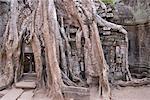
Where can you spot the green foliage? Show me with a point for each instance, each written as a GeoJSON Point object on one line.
{"type": "Point", "coordinates": [108, 1]}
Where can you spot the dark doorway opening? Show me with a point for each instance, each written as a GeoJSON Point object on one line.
{"type": "Point", "coordinates": [29, 64]}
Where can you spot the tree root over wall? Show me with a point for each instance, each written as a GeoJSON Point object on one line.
{"type": "Point", "coordinates": [45, 25]}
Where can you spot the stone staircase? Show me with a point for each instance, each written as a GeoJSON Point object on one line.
{"type": "Point", "coordinates": [28, 81]}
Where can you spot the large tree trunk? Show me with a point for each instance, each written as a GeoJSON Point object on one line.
{"type": "Point", "coordinates": [11, 47]}
{"type": "Point", "coordinates": [64, 38]}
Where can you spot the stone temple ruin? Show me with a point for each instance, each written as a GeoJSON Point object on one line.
{"type": "Point", "coordinates": [114, 45]}
{"type": "Point", "coordinates": [120, 51]}
{"type": "Point", "coordinates": [138, 39]}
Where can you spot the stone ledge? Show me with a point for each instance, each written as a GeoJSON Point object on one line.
{"type": "Point", "coordinates": [25, 85]}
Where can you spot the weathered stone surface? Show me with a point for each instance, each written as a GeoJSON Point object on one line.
{"type": "Point", "coordinates": [12, 94]}
{"type": "Point", "coordinates": [140, 9]}
{"type": "Point", "coordinates": [114, 46]}
{"type": "Point", "coordinates": [78, 93]}
{"type": "Point", "coordinates": [27, 95]}
{"type": "Point", "coordinates": [135, 16]}
{"type": "Point", "coordinates": [3, 92]}
{"type": "Point", "coordinates": [26, 85]}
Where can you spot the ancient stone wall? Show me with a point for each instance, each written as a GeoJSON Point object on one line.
{"type": "Point", "coordinates": [140, 9]}
{"type": "Point", "coordinates": [134, 15]}
{"type": "Point", "coordinates": [115, 47]}
{"type": "Point", "coordinates": [139, 49]}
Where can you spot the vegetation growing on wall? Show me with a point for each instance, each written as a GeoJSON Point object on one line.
{"type": "Point", "coordinates": [108, 1]}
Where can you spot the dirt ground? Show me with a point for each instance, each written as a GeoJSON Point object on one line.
{"type": "Point", "coordinates": [131, 93]}
{"type": "Point", "coordinates": [126, 93]}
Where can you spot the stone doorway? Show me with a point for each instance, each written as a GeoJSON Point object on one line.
{"type": "Point", "coordinates": [29, 64]}
{"type": "Point", "coordinates": [28, 78]}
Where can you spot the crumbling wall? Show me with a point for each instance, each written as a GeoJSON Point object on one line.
{"type": "Point", "coordinates": [134, 15]}
{"type": "Point", "coordinates": [115, 47]}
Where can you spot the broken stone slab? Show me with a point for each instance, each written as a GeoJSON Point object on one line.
{"type": "Point", "coordinates": [78, 93]}
{"type": "Point", "coordinates": [25, 85]}
{"type": "Point", "coordinates": [12, 94]}
{"type": "Point", "coordinates": [75, 89]}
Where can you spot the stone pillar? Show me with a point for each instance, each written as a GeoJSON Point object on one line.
{"type": "Point", "coordinates": [141, 38]}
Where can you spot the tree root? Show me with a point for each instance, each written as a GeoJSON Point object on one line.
{"type": "Point", "coordinates": [134, 82]}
